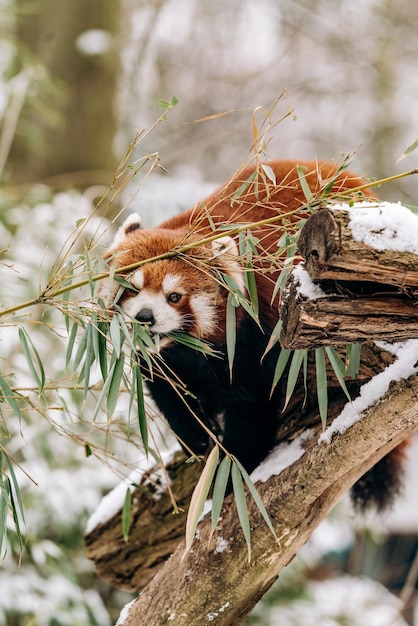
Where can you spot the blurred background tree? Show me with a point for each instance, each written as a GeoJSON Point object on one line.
{"type": "Point", "coordinates": [76, 79]}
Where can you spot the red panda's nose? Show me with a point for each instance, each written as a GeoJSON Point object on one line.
{"type": "Point", "coordinates": [145, 316]}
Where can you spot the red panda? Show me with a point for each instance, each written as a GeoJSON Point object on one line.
{"type": "Point", "coordinates": [184, 291]}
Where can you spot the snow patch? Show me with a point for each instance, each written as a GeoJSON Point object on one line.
{"type": "Point", "coordinates": [215, 614]}
{"type": "Point", "coordinates": [372, 391]}
{"type": "Point", "coordinates": [221, 545]}
{"type": "Point", "coordinates": [284, 455]}
{"type": "Point", "coordinates": [304, 284]}
{"type": "Point", "coordinates": [125, 613]}
{"type": "Point", "coordinates": [383, 225]}
{"type": "Point", "coordinates": [113, 501]}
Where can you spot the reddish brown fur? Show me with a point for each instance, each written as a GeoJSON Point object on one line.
{"type": "Point", "coordinates": [259, 200]}
{"type": "Point", "coordinates": [263, 200]}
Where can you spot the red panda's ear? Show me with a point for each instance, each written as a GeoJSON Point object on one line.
{"type": "Point", "coordinates": [225, 250]}
{"type": "Point", "coordinates": [132, 222]}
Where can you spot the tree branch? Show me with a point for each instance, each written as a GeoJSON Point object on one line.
{"type": "Point", "coordinates": [206, 583]}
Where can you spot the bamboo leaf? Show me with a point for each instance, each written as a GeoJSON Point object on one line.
{"type": "Point", "coordinates": [126, 514]}
{"type": "Point", "coordinates": [301, 169]}
{"type": "Point", "coordinates": [409, 149]}
{"type": "Point", "coordinates": [104, 390]}
{"type": "Point", "coordinates": [142, 417]}
{"type": "Point", "coordinates": [14, 514]}
{"type": "Point", "coordinates": [321, 384]}
{"type": "Point", "coordinates": [231, 331]}
{"type": "Point", "coordinates": [114, 387]}
{"type": "Point", "coordinates": [274, 337]}
{"type": "Point", "coordinates": [353, 354]}
{"type": "Point", "coordinates": [115, 334]}
{"type": "Point", "coordinates": [338, 367]}
{"type": "Point", "coordinates": [25, 340]}
{"type": "Point", "coordinates": [102, 328]}
{"type": "Point", "coordinates": [256, 497]}
{"type": "Point", "coordinates": [251, 285]}
{"type": "Point", "coordinates": [192, 342]}
{"type": "Point", "coordinates": [89, 356]}
{"type": "Point", "coordinates": [269, 173]}
{"type": "Point", "coordinates": [15, 486]}
{"type": "Point", "coordinates": [244, 186]}
{"type": "Point", "coordinates": [4, 506]}
{"type": "Point", "coordinates": [295, 365]}
{"type": "Point", "coordinates": [284, 357]}
{"type": "Point", "coordinates": [219, 489]}
{"type": "Point", "coordinates": [10, 397]}
{"type": "Point", "coordinates": [70, 345]}
{"type": "Point", "coordinates": [241, 504]}
{"type": "Point", "coordinates": [200, 495]}
{"type": "Point", "coordinates": [81, 349]}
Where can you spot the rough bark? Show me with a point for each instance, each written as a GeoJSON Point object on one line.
{"type": "Point", "coordinates": [205, 584]}
{"type": "Point", "coordinates": [331, 253]}
{"type": "Point", "coordinates": [371, 293]}
{"type": "Point", "coordinates": [339, 319]}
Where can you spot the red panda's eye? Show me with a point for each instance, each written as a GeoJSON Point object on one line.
{"type": "Point", "coordinates": [174, 297]}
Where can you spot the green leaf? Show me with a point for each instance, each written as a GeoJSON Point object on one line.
{"type": "Point", "coordinates": [251, 285]}
{"type": "Point", "coordinates": [192, 342]}
{"type": "Point", "coordinates": [115, 334]}
{"type": "Point", "coordinates": [88, 359]}
{"type": "Point", "coordinates": [10, 397]}
{"type": "Point", "coordinates": [241, 504]}
{"type": "Point", "coordinates": [142, 417]}
{"type": "Point", "coordinates": [25, 340]}
{"type": "Point", "coordinates": [244, 186]}
{"type": "Point", "coordinates": [114, 387]}
{"type": "Point", "coordinates": [338, 367]}
{"type": "Point", "coordinates": [231, 330]}
{"type": "Point", "coordinates": [295, 365]}
{"type": "Point", "coordinates": [70, 346]}
{"type": "Point", "coordinates": [219, 489]}
{"type": "Point", "coordinates": [104, 390]}
{"type": "Point", "coordinates": [256, 497]}
{"type": "Point", "coordinates": [353, 355]}
{"type": "Point", "coordinates": [284, 357]}
{"type": "Point", "coordinates": [301, 169]}
{"type": "Point", "coordinates": [81, 349]}
{"type": "Point", "coordinates": [269, 173]}
{"type": "Point", "coordinates": [15, 486]}
{"type": "Point", "coordinates": [409, 149]}
{"type": "Point", "coordinates": [4, 506]}
{"type": "Point", "coordinates": [15, 514]}
{"type": "Point", "coordinates": [200, 495]}
{"type": "Point", "coordinates": [321, 384]}
{"type": "Point", "coordinates": [126, 514]}
{"type": "Point", "coordinates": [274, 337]}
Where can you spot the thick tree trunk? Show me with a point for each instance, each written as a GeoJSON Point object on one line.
{"type": "Point", "coordinates": [72, 124]}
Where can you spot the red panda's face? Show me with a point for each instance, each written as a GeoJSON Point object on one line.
{"type": "Point", "coordinates": [181, 293]}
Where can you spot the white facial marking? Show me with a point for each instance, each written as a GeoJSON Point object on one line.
{"type": "Point", "coordinates": [137, 279]}
{"type": "Point", "coordinates": [170, 283]}
{"type": "Point", "coordinates": [204, 313]}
